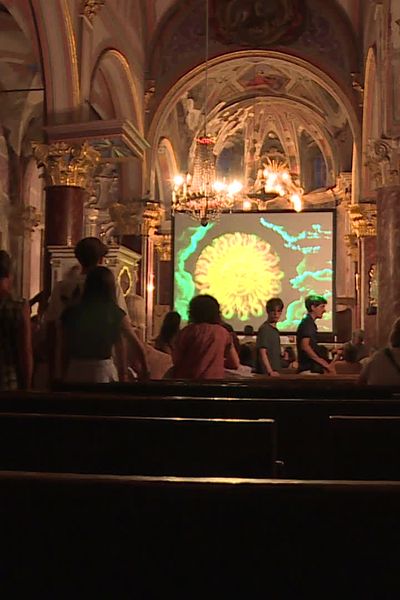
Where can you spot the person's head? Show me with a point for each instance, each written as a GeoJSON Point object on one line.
{"type": "Point", "coordinates": [5, 269]}
{"type": "Point", "coordinates": [90, 252]}
{"type": "Point", "coordinates": [274, 308]}
{"type": "Point", "coordinates": [99, 286]}
{"type": "Point", "coordinates": [357, 336]}
{"type": "Point", "coordinates": [248, 330]}
{"type": "Point", "coordinates": [170, 325]}
{"type": "Point", "coordinates": [395, 334]}
{"type": "Point", "coordinates": [315, 305]}
{"type": "Point", "coordinates": [204, 309]}
{"type": "Point", "coordinates": [350, 352]}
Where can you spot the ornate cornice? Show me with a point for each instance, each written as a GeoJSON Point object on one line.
{"type": "Point", "coordinates": [363, 219]}
{"type": "Point", "coordinates": [383, 161]}
{"type": "Point", "coordinates": [67, 164]}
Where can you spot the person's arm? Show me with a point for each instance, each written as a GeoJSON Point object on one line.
{"type": "Point", "coordinates": [231, 357]}
{"type": "Point", "coordinates": [137, 346]}
{"type": "Point", "coordinates": [263, 356]}
{"type": "Point", "coordinates": [121, 359]}
{"type": "Point", "coordinates": [305, 345]}
{"type": "Point", "coordinates": [25, 348]}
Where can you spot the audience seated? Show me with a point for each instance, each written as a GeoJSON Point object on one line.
{"type": "Point", "coordinates": [165, 341]}
{"type": "Point", "coordinates": [347, 362]}
{"type": "Point", "coordinates": [289, 360]}
{"type": "Point", "coordinates": [357, 339]}
{"type": "Point", "coordinates": [204, 347]}
{"type": "Point", "coordinates": [383, 368]}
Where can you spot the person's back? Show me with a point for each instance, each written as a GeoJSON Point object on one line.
{"type": "Point", "coordinates": [204, 345]}
{"type": "Point", "coordinates": [383, 368]}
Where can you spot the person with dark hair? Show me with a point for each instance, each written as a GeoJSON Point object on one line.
{"type": "Point", "coordinates": [165, 341]}
{"type": "Point", "coordinates": [349, 363]}
{"type": "Point", "coordinates": [16, 362]}
{"type": "Point", "coordinates": [289, 360]}
{"type": "Point", "coordinates": [383, 368]}
{"type": "Point", "coordinates": [268, 344]}
{"type": "Point", "coordinates": [308, 350]}
{"type": "Point", "coordinates": [204, 347]}
{"type": "Point", "coordinates": [92, 328]}
{"type": "Point", "coordinates": [90, 253]}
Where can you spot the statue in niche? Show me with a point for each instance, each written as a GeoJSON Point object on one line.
{"type": "Point", "coordinates": [257, 22]}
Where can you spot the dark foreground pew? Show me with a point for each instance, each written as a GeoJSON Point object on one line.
{"type": "Point", "coordinates": [108, 537]}
{"type": "Point", "coordinates": [365, 447]}
{"type": "Point", "coordinates": [138, 446]}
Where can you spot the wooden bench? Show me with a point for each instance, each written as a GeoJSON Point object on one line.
{"type": "Point", "coordinates": [110, 537]}
{"type": "Point", "coordinates": [365, 447]}
{"type": "Point", "coordinates": [137, 445]}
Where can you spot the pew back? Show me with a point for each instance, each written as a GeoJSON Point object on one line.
{"type": "Point", "coordinates": [137, 445]}
{"type": "Point", "coordinates": [365, 447]}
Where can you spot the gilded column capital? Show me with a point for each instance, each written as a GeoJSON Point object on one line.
{"type": "Point", "coordinates": [162, 244]}
{"type": "Point", "coordinates": [67, 164]}
{"type": "Point", "coordinates": [363, 219]}
{"type": "Point", "coordinates": [383, 161]}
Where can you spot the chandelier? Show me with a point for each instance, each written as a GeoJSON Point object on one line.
{"type": "Point", "coordinates": [202, 196]}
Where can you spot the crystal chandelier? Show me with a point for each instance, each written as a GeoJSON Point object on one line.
{"type": "Point", "coordinates": [202, 196]}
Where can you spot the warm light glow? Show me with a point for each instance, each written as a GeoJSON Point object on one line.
{"type": "Point", "coordinates": [235, 187]}
{"type": "Point", "coordinates": [178, 180]}
{"type": "Point", "coordinates": [246, 205]}
{"type": "Point", "coordinates": [219, 186]}
{"type": "Point", "coordinates": [150, 287]}
{"type": "Point", "coordinates": [296, 201]}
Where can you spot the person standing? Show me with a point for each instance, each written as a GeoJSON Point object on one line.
{"type": "Point", "coordinates": [16, 362]}
{"type": "Point", "coordinates": [308, 352]}
{"type": "Point", "coordinates": [268, 344]}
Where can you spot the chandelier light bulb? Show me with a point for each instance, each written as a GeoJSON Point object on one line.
{"type": "Point", "coordinates": [178, 180]}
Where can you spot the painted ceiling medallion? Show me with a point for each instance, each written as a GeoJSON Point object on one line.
{"type": "Point", "coordinates": [257, 22]}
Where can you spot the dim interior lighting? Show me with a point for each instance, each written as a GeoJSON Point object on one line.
{"type": "Point", "coordinates": [204, 197]}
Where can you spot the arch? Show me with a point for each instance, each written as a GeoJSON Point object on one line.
{"type": "Point", "coordinates": [342, 94]}
{"type": "Point", "coordinates": [117, 75]}
{"type": "Point", "coordinates": [54, 27]}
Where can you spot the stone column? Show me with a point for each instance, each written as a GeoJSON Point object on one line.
{"type": "Point", "coordinates": [388, 229]}
{"type": "Point", "coordinates": [68, 171]}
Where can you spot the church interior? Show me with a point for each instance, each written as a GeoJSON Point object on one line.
{"type": "Point", "coordinates": [245, 149]}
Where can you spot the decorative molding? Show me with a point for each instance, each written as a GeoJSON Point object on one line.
{"type": "Point", "coordinates": [149, 92]}
{"type": "Point", "coordinates": [137, 217]}
{"type": "Point", "coordinates": [91, 8]}
{"type": "Point", "coordinates": [363, 219]}
{"type": "Point", "coordinates": [162, 244]}
{"type": "Point", "coordinates": [67, 164]}
{"type": "Point", "coordinates": [358, 87]}
{"type": "Point", "coordinates": [351, 242]}
{"type": "Point", "coordinates": [383, 161]}
{"type": "Point", "coordinates": [24, 219]}
{"type": "Point", "coordinates": [114, 139]}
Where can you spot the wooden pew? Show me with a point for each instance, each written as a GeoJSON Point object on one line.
{"type": "Point", "coordinates": [69, 536]}
{"type": "Point", "coordinates": [137, 445]}
{"type": "Point", "coordinates": [365, 447]}
{"type": "Point", "coordinates": [303, 423]}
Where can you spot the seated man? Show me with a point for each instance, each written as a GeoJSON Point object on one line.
{"type": "Point", "coordinates": [308, 350]}
{"type": "Point", "coordinates": [349, 363]}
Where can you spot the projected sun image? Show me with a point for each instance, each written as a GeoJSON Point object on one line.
{"type": "Point", "coordinates": [242, 271]}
